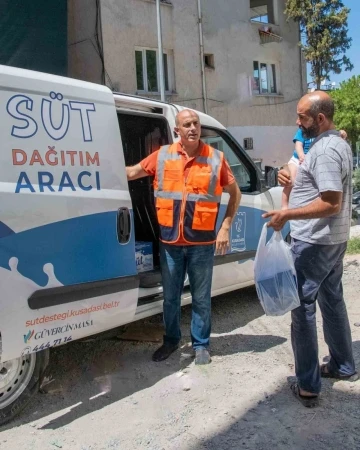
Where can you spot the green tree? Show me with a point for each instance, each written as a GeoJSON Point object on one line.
{"type": "Point", "coordinates": [356, 180]}
{"type": "Point", "coordinates": [323, 25]}
{"type": "Point", "coordinates": [347, 108]}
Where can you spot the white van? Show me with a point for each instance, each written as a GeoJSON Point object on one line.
{"type": "Point", "coordinates": [78, 243]}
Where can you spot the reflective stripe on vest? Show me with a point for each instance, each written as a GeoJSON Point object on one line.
{"type": "Point", "coordinates": [188, 209]}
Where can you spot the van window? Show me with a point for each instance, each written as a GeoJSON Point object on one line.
{"type": "Point", "coordinates": [243, 175]}
{"type": "Point", "coordinates": [141, 135]}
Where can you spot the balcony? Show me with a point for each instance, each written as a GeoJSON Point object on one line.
{"type": "Point", "coordinates": [262, 16]}
{"type": "Point", "coordinates": [267, 35]}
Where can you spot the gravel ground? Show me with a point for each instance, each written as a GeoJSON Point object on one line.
{"type": "Point", "coordinates": [109, 394]}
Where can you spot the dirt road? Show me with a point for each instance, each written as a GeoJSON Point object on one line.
{"type": "Point", "coordinates": [110, 395]}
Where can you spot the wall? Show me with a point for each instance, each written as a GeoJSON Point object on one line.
{"type": "Point", "coordinates": [235, 42]}
{"type": "Point", "coordinates": [272, 145]}
{"type": "Point", "coordinates": [84, 62]}
{"type": "Point", "coordinates": [127, 25]}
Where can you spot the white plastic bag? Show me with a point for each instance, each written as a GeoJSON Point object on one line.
{"type": "Point", "coordinates": [275, 275]}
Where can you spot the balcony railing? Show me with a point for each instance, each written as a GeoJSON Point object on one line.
{"type": "Point", "coordinates": [267, 35]}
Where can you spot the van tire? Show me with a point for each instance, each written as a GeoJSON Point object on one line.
{"type": "Point", "coordinates": [31, 368]}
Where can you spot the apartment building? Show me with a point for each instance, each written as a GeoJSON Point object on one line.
{"type": "Point", "coordinates": [249, 74]}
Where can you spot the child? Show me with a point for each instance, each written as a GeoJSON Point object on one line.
{"type": "Point", "coordinates": [302, 146]}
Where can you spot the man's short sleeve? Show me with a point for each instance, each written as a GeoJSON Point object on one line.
{"type": "Point", "coordinates": [226, 175]}
{"type": "Point", "coordinates": [299, 137]}
{"type": "Point", "coordinates": [327, 171]}
{"type": "Point", "coordinates": [149, 163]}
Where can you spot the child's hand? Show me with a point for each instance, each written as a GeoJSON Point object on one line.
{"type": "Point", "coordinates": [301, 158]}
{"type": "Point", "coordinates": [343, 134]}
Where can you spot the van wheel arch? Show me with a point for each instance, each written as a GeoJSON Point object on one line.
{"type": "Point", "coordinates": [20, 380]}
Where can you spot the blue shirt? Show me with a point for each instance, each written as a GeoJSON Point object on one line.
{"type": "Point", "coordinates": [305, 142]}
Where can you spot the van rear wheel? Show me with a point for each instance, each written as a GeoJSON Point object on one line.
{"type": "Point", "coordinates": [19, 381]}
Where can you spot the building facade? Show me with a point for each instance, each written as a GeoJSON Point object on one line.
{"type": "Point", "coordinates": [249, 75]}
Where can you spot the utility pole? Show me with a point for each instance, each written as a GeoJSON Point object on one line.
{"type": "Point", "coordinates": [160, 52]}
{"type": "Point", "coordinates": [202, 61]}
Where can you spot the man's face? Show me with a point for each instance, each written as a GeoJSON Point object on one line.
{"type": "Point", "coordinates": [308, 124]}
{"type": "Point", "coordinates": [188, 127]}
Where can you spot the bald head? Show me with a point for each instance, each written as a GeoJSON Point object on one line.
{"type": "Point", "coordinates": [318, 102]}
{"type": "Point", "coordinates": [185, 114]}
{"type": "Point", "coordinates": [315, 114]}
{"type": "Point", "coordinates": [188, 128]}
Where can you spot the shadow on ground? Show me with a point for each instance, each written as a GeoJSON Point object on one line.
{"type": "Point", "coordinates": [280, 422]}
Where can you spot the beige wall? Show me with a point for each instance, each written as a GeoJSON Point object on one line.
{"type": "Point", "coordinates": [84, 62]}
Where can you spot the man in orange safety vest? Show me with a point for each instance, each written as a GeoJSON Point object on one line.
{"type": "Point", "coordinates": [190, 177]}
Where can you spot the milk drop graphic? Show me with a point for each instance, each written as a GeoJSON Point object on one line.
{"type": "Point", "coordinates": [14, 308]}
{"type": "Point", "coordinates": [52, 280]}
{"type": "Point", "coordinates": [16, 288]}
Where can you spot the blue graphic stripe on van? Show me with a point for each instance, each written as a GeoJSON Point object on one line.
{"type": "Point", "coordinates": [81, 250]}
{"type": "Point", "coordinates": [85, 249]}
{"type": "Point", "coordinates": [246, 228]}
{"type": "Point", "coordinates": [5, 230]}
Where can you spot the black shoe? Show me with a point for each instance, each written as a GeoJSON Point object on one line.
{"type": "Point", "coordinates": [325, 373]}
{"type": "Point", "coordinates": [202, 356]}
{"type": "Point", "coordinates": [164, 352]}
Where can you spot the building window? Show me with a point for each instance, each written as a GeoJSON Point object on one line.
{"type": "Point", "coordinates": [248, 144]}
{"type": "Point", "coordinates": [262, 11]}
{"type": "Point", "coordinates": [264, 79]}
{"type": "Point", "coordinates": [147, 70]}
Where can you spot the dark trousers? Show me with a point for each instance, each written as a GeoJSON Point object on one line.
{"type": "Point", "coordinates": [319, 270]}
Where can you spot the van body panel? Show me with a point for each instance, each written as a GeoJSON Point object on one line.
{"type": "Point", "coordinates": [62, 182]}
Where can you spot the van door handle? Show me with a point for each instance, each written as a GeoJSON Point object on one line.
{"type": "Point", "coordinates": [123, 225]}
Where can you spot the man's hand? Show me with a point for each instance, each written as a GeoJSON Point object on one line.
{"type": "Point", "coordinates": [284, 178]}
{"type": "Point", "coordinates": [222, 241]}
{"type": "Point", "coordinates": [278, 219]}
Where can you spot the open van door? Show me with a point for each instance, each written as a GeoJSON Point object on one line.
{"type": "Point", "coordinates": [235, 269]}
{"type": "Point", "coordinates": [67, 245]}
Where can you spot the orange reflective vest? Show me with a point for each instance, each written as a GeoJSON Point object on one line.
{"type": "Point", "coordinates": [188, 208]}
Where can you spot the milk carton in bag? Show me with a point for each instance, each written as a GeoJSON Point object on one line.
{"type": "Point", "coordinates": [275, 275]}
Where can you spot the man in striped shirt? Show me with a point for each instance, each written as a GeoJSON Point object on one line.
{"type": "Point", "coordinates": [320, 215]}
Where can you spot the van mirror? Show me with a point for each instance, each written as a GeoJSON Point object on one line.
{"type": "Point", "coordinates": [271, 176]}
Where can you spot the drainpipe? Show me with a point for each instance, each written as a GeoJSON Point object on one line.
{"type": "Point", "coordinates": [160, 52]}
{"type": "Point", "coordinates": [301, 67]}
{"type": "Point", "coordinates": [203, 79]}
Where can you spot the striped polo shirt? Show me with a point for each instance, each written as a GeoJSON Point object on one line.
{"type": "Point", "coordinates": [327, 167]}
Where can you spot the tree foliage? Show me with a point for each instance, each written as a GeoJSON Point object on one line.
{"type": "Point", "coordinates": [347, 108]}
{"type": "Point", "coordinates": [356, 180]}
{"type": "Point", "coordinates": [323, 24]}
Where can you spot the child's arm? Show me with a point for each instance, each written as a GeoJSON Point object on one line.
{"type": "Point", "coordinates": [300, 151]}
